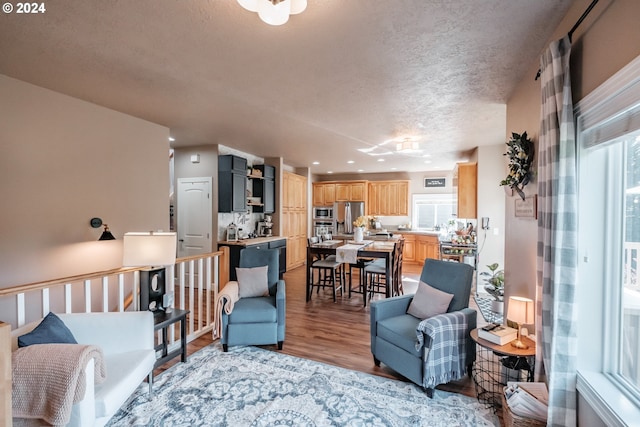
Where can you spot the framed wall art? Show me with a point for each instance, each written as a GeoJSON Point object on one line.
{"type": "Point", "coordinates": [527, 208]}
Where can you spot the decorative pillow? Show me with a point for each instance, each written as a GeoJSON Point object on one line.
{"type": "Point", "coordinates": [428, 302]}
{"type": "Point", "coordinates": [252, 282]}
{"type": "Point", "coordinates": [51, 330]}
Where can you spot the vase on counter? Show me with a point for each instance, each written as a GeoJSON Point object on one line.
{"type": "Point", "coordinates": [358, 234]}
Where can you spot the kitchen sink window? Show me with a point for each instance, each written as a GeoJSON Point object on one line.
{"type": "Point", "coordinates": [432, 210]}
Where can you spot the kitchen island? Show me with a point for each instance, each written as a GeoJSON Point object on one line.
{"type": "Point", "coordinates": [271, 242]}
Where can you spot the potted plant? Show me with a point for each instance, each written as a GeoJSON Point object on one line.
{"type": "Point", "coordinates": [495, 286]}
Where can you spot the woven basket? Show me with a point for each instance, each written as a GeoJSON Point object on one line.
{"type": "Point", "coordinates": [512, 420]}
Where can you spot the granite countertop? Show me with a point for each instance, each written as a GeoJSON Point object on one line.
{"type": "Point", "coordinates": [420, 232]}
{"type": "Point", "coordinates": [254, 241]}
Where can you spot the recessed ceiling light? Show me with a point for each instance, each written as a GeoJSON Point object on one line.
{"type": "Point", "coordinates": [316, 163]}
{"type": "Point", "coordinates": [350, 162]}
{"type": "Point", "coordinates": [360, 170]}
{"type": "Point", "coordinates": [427, 161]}
{"type": "Point", "coordinates": [381, 160]}
{"type": "Point", "coordinates": [393, 169]}
{"type": "Point", "coordinates": [426, 155]}
{"type": "Point", "coordinates": [330, 172]}
{"type": "Point", "coordinates": [171, 139]}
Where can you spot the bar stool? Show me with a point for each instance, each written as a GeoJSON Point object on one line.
{"type": "Point", "coordinates": [330, 273]}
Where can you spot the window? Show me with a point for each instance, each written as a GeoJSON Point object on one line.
{"type": "Point", "coordinates": [430, 210]}
{"type": "Point", "coordinates": [609, 244]}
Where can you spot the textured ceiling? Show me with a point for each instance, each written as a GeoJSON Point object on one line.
{"type": "Point", "coordinates": [343, 75]}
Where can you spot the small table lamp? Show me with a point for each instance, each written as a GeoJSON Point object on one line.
{"type": "Point", "coordinates": [152, 250]}
{"type": "Point", "coordinates": [520, 312]}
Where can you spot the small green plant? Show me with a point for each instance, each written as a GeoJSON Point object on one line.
{"type": "Point", "coordinates": [495, 286]}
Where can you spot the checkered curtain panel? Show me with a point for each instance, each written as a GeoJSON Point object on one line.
{"type": "Point", "coordinates": [557, 237]}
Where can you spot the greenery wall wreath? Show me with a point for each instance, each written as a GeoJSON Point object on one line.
{"type": "Point", "coordinates": [520, 152]}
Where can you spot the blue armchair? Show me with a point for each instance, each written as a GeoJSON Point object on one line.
{"type": "Point", "coordinates": [394, 332]}
{"type": "Point", "coordinates": [257, 320]}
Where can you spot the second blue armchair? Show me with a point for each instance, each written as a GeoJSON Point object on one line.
{"type": "Point", "coordinates": [257, 320]}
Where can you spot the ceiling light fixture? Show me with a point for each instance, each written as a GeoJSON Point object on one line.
{"type": "Point", "coordinates": [274, 12]}
{"type": "Point", "coordinates": [407, 146]}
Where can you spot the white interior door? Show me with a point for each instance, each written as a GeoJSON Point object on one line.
{"type": "Point", "coordinates": [194, 216]}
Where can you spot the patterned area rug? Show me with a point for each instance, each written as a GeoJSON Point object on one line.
{"type": "Point", "coordinates": [249, 386]}
{"type": "Point", "coordinates": [484, 304]}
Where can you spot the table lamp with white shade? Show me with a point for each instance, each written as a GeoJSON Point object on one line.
{"type": "Point", "coordinates": [520, 312]}
{"type": "Point", "coordinates": [154, 250]}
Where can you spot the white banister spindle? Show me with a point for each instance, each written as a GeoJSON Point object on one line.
{"type": "Point", "coordinates": [121, 292]}
{"type": "Point", "coordinates": [87, 296]}
{"type": "Point", "coordinates": [207, 319]}
{"type": "Point", "coordinates": [105, 294]}
{"type": "Point", "coordinates": [182, 284]}
{"type": "Point", "coordinates": [45, 302]}
{"type": "Point", "coordinates": [199, 301]}
{"type": "Point", "coordinates": [191, 293]}
{"type": "Point", "coordinates": [67, 298]}
{"type": "Point", "coordinates": [21, 309]}
{"type": "Point", "coordinates": [136, 291]}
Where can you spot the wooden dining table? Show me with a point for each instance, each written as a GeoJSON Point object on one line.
{"type": "Point", "coordinates": [376, 249]}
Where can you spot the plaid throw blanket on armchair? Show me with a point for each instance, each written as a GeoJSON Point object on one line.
{"type": "Point", "coordinates": [445, 353]}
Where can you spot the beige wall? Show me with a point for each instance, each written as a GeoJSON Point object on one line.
{"type": "Point", "coordinates": [605, 42]}
{"type": "Point", "coordinates": [492, 169]}
{"type": "Point", "coordinates": [63, 162]}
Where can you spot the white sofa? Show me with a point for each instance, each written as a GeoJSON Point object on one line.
{"type": "Point", "coordinates": [127, 342]}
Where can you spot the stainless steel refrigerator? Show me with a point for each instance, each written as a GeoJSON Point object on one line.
{"type": "Point", "coordinates": [344, 213]}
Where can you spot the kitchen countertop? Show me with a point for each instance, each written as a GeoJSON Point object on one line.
{"type": "Point", "coordinates": [419, 232]}
{"type": "Point", "coordinates": [254, 241]}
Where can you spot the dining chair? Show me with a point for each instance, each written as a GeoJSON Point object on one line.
{"type": "Point", "coordinates": [375, 274]}
{"type": "Point", "coordinates": [330, 273]}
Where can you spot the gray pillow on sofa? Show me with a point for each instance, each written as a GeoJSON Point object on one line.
{"type": "Point", "coordinates": [51, 330]}
{"type": "Point", "coordinates": [428, 302]}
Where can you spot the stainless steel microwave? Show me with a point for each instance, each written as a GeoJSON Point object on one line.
{"type": "Point", "coordinates": [322, 213]}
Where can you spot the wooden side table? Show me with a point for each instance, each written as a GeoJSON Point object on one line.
{"type": "Point", "coordinates": [496, 364]}
{"type": "Point", "coordinates": [162, 320]}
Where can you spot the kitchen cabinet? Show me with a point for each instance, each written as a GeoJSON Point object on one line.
{"type": "Point", "coordinates": [427, 246]}
{"type": "Point", "coordinates": [465, 178]}
{"type": "Point", "coordinates": [388, 198]}
{"type": "Point", "coordinates": [294, 218]}
{"type": "Point", "coordinates": [324, 194]}
{"type": "Point", "coordinates": [409, 250]}
{"type": "Point", "coordinates": [232, 184]}
{"type": "Point", "coordinates": [265, 188]}
{"type": "Point", "coordinates": [352, 191]}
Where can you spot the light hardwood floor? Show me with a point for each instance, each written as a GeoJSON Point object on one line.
{"type": "Point", "coordinates": [335, 333]}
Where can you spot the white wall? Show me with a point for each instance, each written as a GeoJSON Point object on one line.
{"type": "Point", "coordinates": [492, 168]}
{"type": "Point", "coordinates": [63, 162]}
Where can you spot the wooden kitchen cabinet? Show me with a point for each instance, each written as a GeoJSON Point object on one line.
{"type": "Point", "coordinates": [465, 179]}
{"type": "Point", "coordinates": [352, 191]}
{"type": "Point", "coordinates": [294, 218]}
{"type": "Point", "coordinates": [324, 193]}
{"type": "Point", "coordinates": [427, 247]}
{"type": "Point", "coordinates": [409, 250]}
{"type": "Point", "coordinates": [388, 198]}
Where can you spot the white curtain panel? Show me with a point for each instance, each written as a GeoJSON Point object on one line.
{"type": "Point", "coordinates": [557, 237]}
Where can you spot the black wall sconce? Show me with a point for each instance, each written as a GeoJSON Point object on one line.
{"type": "Point", "coordinates": [106, 234]}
